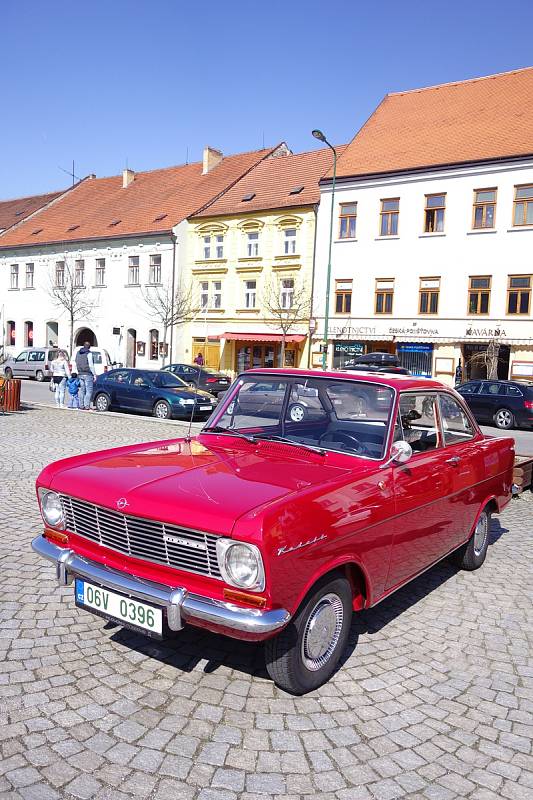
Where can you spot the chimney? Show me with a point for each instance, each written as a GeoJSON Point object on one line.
{"type": "Point", "coordinates": [212, 157]}
{"type": "Point", "coordinates": [128, 176]}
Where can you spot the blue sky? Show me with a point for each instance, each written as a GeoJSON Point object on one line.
{"type": "Point", "coordinates": [105, 82]}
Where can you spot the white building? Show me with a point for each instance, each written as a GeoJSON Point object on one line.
{"type": "Point", "coordinates": [115, 243]}
{"type": "Point", "coordinates": [432, 252]}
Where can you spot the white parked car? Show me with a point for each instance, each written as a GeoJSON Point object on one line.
{"type": "Point", "coordinates": [101, 360]}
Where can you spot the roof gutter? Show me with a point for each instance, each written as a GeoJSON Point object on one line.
{"type": "Point", "coordinates": [165, 232]}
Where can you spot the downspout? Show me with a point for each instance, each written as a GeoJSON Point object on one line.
{"type": "Point", "coordinates": [174, 242]}
{"type": "Point", "coordinates": [315, 210]}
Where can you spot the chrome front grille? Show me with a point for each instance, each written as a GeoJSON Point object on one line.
{"type": "Point", "coordinates": [159, 542]}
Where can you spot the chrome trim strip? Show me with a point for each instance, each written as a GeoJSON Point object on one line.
{"type": "Point", "coordinates": [179, 603]}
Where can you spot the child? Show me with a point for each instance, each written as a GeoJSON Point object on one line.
{"type": "Point", "coordinates": [73, 385]}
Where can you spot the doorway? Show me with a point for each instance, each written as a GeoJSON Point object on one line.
{"type": "Point", "coordinates": [475, 361]}
{"type": "Point", "coordinates": [51, 334]}
{"type": "Point", "coordinates": [131, 347]}
{"type": "Point", "coordinates": [85, 335]}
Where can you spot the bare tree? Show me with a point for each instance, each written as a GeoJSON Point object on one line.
{"type": "Point", "coordinates": [169, 310]}
{"type": "Point", "coordinates": [69, 293]}
{"type": "Point", "coordinates": [287, 305]}
{"type": "Point", "coordinates": [487, 359]}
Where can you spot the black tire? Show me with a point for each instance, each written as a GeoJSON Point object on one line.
{"type": "Point", "coordinates": [162, 410]}
{"type": "Point", "coordinates": [297, 412]}
{"type": "Point", "coordinates": [39, 376]}
{"type": "Point", "coordinates": [102, 402]}
{"type": "Point", "coordinates": [8, 372]}
{"type": "Point", "coordinates": [289, 656]}
{"type": "Point", "coordinates": [504, 419]}
{"type": "Point", "coordinates": [472, 554]}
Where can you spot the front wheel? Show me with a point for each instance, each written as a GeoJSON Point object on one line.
{"type": "Point", "coordinates": [472, 554]}
{"type": "Point", "coordinates": [504, 419]}
{"type": "Point", "coordinates": [162, 410]}
{"type": "Point", "coordinates": [39, 376]}
{"type": "Point", "coordinates": [297, 412]}
{"type": "Point", "coordinates": [102, 402]}
{"type": "Point", "coordinates": [304, 655]}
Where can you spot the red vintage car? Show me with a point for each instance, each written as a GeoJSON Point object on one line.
{"type": "Point", "coordinates": [282, 516]}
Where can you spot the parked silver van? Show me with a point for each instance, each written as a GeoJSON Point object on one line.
{"type": "Point", "coordinates": [32, 362]}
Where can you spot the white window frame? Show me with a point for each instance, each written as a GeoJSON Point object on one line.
{"type": "Point", "coordinates": [99, 273]}
{"type": "Point", "coordinates": [60, 271]}
{"type": "Point", "coordinates": [30, 275]}
{"type": "Point", "coordinates": [289, 241]}
{"type": "Point", "coordinates": [216, 294]}
{"type": "Point", "coordinates": [133, 271]}
{"type": "Point", "coordinates": [252, 244]}
{"type": "Point", "coordinates": [155, 268]}
{"type": "Point", "coordinates": [14, 276]}
{"type": "Point", "coordinates": [79, 273]}
{"type": "Point", "coordinates": [286, 293]}
{"type": "Point", "coordinates": [250, 294]}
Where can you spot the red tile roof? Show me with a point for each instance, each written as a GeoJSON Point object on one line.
{"type": "Point", "coordinates": [13, 211]}
{"type": "Point", "coordinates": [100, 208]}
{"type": "Point", "coordinates": [271, 181]}
{"type": "Point", "coordinates": [453, 123]}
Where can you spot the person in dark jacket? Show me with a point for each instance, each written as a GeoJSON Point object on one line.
{"type": "Point", "coordinates": [73, 387]}
{"type": "Point", "coordinates": [86, 375]}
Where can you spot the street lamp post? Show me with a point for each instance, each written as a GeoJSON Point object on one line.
{"type": "Point", "coordinates": [320, 136]}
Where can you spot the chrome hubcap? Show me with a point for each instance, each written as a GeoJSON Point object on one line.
{"type": "Point", "coordinates": [161, 411]}
{"type": "Point", "coordinates": [297, 414]}
{"type": "Point", "coordinates": [480, 534]}
{"type": "Point", "coordinates": [322, 632]}
{"type": "Point", "coordinates": [504, 419]}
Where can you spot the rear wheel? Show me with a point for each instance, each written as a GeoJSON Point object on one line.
{"type": "Point", "coordinates": [162, 410]}
{"type": "Point", "coordinates": [304, 655]}
{"type": "Point", "coordinates": [102, 402]}
{"type": "Point", "coordinates": [472, 554]}
{"type": "Point", "coordinates": [8, 372]}
{"type": "Point", "coordinates": [297, 412]}
{"type": "Point", "coordinates": [504, 419]}
{"type": "Point", "coordinates": [39, 376]}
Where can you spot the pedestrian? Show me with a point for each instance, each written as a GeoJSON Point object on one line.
{"type": "Point", "coordinates": [458, 373]}
{"type": "Point", "coordinates": [73, 386]}
{"type": "Point", "coordinates": [199, 360]}
{"type": "Point", "coordinates": [60, 373]}
{"type": "Point", "coordinates": [86, 375]}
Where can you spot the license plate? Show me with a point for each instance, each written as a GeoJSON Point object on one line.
{"type": "Point", "coordinates": [206, 408]}
{"type": "Point", "coordinates": [136, 615]}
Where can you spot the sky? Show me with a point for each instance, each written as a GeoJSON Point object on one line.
{"type": "Point", "coordinates": [149, 83]}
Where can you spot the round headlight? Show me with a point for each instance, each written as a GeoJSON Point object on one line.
{"type": "Point", "coordinates": [241, 564]}
{"type": "Point", "coordinates": [51, 509]}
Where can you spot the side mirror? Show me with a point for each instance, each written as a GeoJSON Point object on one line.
{"type": "Point", "coordinates": [400, 453]}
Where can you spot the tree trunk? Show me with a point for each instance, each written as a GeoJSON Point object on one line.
{"type": "Point", "coordinates": [71, 336]}
{"type": "Point", "coordinates": [282, 354]}
{"type": "Point", "coordinates": [165, 331]}
{"type": "Point", "coordinates": [492, 366]}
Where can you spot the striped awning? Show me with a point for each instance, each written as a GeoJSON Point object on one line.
{"type": "Point", "coordinates": [263, 337]}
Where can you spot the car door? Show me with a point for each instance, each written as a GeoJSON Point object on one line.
{"type": "Point", "coordinates": [470, 392]}
{"type": "Point", "coordinates": [141, 393]}
{"type": "Point", "coordinates": [20, 365]}
{"type": "Point", "coordinates": [422, 486]}
{"type": "Point", "coordinates": [491, 395]}
{"type": "Point", "coordinates": [118, 385]}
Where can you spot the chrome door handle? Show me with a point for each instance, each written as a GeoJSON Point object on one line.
{"type": "Point", "coordinates": [454, 460]}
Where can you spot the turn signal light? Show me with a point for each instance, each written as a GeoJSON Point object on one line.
{"type": "Point", "coordinates": [55, 536]}
{"type": "Point", "coordinates": [528, 404]}
{"type": "Point", "coordinates": [245, 597]}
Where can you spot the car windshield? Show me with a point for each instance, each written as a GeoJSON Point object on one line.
{"type": "Point", "coordinates": [348, 416]}
{"type": "Point", "coordinates": [168, 380]}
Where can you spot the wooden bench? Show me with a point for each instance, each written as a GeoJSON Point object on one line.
{"type": "Point", "coordinates": [522, 473]}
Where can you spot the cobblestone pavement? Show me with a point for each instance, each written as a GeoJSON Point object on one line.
{"type": "Point", "coordinates": [434, 699]}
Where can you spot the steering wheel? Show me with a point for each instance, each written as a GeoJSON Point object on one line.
{"type": "Point", "coordinates": [345, 438]}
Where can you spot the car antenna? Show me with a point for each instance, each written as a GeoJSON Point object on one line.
{"type": "Point", "coordinates": [199, 368]}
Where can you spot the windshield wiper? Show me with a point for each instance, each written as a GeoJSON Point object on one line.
{"type": "Point", "coordinates": [273, 438]}
{"type": "Point", "coordinates": [230, 431]}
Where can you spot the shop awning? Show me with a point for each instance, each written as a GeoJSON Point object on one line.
{"type": "Point", "coordinates": [263, 337]}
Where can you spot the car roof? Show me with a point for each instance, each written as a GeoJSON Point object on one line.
{"type": "Point", "coordinates": [394, 381]}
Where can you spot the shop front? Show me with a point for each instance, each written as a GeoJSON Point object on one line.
{"type": "Point", "coordinates": [259, 350]}
{"type": "Point", "coordinates": [417, 357]}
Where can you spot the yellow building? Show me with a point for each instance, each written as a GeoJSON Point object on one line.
{"type": "Point", "coordinates": [250, 265]}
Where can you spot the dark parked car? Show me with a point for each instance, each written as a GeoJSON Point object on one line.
{"type": "Point", "coordinates": [154, 392]}
{"type": "Point", "coordinates": [201, 377]}
{"type": "Point", "coordinates": [506, 404]}
{"type": "Point", "coordinates": [378, 362]}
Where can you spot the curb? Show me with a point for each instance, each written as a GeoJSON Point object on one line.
{"type": "Point", "coordinates": [116, 414]}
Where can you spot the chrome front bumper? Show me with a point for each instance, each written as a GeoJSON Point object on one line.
{"type": "Point", "coordinates": [180, 605]}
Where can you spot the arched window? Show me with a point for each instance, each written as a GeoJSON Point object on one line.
{"type": "Point", "coordinates": [28, 333]}
{"type": "Point", "coordinates": [154, 344]}
{"type": "Point", "coordinates": [11, 332]}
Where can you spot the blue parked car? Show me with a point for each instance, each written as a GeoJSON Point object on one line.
{"type": "Point", "coordinates": [152, 392]}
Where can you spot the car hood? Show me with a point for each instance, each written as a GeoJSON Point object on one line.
{"type": "Point", "coordinates": [189, 483]}
{"type": "Point", "coordinates": [187, 394]}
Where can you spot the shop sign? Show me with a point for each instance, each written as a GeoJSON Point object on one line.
{"type": "Point", "coordinates": [414, 347]}
{"type": "Point", "coordinates": [351, 333]}
{"type": "Point", "coordinates": [414, 331]}
{"type": "Point", "coordinates": [348, 348]}
{"type": "Point", "coordinates": [485, 333]}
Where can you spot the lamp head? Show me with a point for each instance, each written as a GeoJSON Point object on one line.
{"type": "Point", "coordinates": [319, 135]}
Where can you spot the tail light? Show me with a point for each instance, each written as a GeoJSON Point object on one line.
{"type": "Point", "coordinates": [46, 366]}
{"type": "Point", "coordinates": [212, 380]}
{"type": "Point", "coordinates": [528, 404]}
{"type": "Point", "coordinates": [105, 368]}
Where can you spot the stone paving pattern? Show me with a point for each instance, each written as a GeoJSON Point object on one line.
{"type": "Point", "coordinates": [434, 699]}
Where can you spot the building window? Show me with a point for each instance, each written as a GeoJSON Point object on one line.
{"type": "Point", "coordinates": [428, 302]}
{"type": "Point", "coordinates": [384, 295]}
{"type": "Point", "coordinates": [133, 271]}
{"type": "Point", "coordinates": [60, 274]}
{"type": "Point", "coordinates": [343, 297]}
{"type": "Point", "coordinates": [154, 345]}
{"type": "Point", "coordinates": [484, 208]}
{"type": "Point", "coordinates": [523, 205]}
{"type": "Point", "coordinates": [347, 220]}
{"type": "Point", "coordinates": [11, 332]}
{"type": "Point", "coordinates": [250, 293]}
{"type": "Point", "coordinates": [204, 294]}
{"type": "Point", "coordinates": [434, 213]}
{"type": "Point", "coordinates": [28, 333]}
{"type": "Point", "coordinates": [14, 276]}
{"type": "Point", "coordinates": [479, 294]}
{"type": "Point", "coordinates": [390, 211]}
{"type": "Point", "coordinates": [30, 272]}
{"type": "Point", "coordinates": [100, 272]}
{"type": "Point", "coordinates": [289, 248]}
{"type": "Point", "coordinates": [286, 292]}
{"type": "Point", "coordinates": [519, 294]}
{"type": "Point", "coordinates": [155, 269]}
{"type": "Point", "coordinates": [213, 247]}
{"type": "Point", "coordinates": [79, 273]}
{"type": "Point", "coordinates": [217, 294]}
{"type": "Point", "coordinates": [252, 249]}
